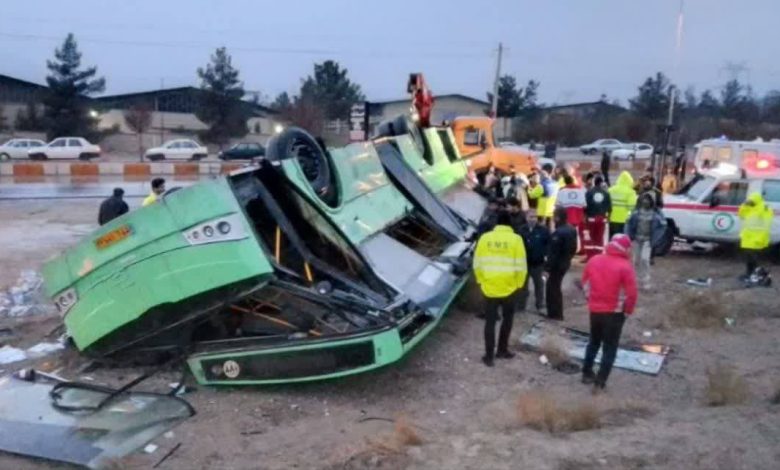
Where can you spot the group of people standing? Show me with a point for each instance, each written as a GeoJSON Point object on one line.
{"type": "Point", "coordinates": [534, 227]}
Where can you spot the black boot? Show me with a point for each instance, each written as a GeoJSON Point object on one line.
{"type": "Point", "coordinates": [488, 361]}
{"type": "Point", "coordinates": [588, 377]}
{"type": "Point", "coordinates": [505, 355]}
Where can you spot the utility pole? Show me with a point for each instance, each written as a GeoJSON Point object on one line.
{"type": "Point", "coordinates": [494, 106]}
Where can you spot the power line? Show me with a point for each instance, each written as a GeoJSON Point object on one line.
{"type": "Point", "coordinates": [263, 50]}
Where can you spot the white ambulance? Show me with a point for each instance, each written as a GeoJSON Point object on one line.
{"type": "Point", "coordinates": [726, 155]}
{"type": "Point", "coordinates": [706, 208]}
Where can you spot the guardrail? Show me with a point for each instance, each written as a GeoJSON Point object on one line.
{"type": "Point", "coordinates": [31, 172]}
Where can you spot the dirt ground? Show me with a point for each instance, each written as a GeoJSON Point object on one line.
{"type": "Point", "coordinates": [464, 414]}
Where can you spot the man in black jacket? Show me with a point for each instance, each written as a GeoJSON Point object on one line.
{"type": "Point", "coordinates": [536, 238]}
{"type": "Point", "coordinates": [112, 207]}
{"type": "Point", "coordinates": [563, 246]}
{"type": "Point", "coordinates": [606, 162]}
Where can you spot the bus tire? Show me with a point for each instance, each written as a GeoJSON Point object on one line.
{"type": "Point", "coordinates": [312, 158]}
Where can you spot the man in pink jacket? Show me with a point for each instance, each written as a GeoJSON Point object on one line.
{"type": "Point", "coordinates": [609, 281]}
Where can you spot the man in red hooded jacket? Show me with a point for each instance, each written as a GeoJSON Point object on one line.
{"type": "Point", "coordinates": [609, 281]}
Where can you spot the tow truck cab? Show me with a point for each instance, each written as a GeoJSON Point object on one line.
{"type": "Point", "coordinates": [706, 210]}
{"type": "Point", "coordinates": [477, 143]}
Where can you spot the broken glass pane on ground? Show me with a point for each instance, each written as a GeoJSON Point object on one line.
{"type": "Point", "coordinates": [644, 358]}
{"type": "Point", "coordinates": [34, 427]}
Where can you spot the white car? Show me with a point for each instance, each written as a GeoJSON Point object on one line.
{"type": "Point", "coordinates": [600, 146]}
{"type": "Point", "coordinates": [17, 148]}
{"type": "Point", "coordinates": [179, 149]}
{"type": "Point", "coordinates": [706, 210]}
{"type": "Point", "coordinates": [64, 148]}
{"type": "Point", "coordinates": [633, 152]}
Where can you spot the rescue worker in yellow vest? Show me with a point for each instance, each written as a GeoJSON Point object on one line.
{"type": "Point", "coordinates": [501, 272]}
{"type": "Point", "coordinates": [756, 220]}
{"type": "Point", "coordinates": [623, 197]}
{"type": "Point", "coordinates": [158, 189]}
{"type": "Point", "coordinates": [546, 193]}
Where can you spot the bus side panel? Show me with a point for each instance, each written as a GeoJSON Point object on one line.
{"type": "Point", "coordinates": [130, 291]}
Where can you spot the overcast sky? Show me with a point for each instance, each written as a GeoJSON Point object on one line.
{"type": "Point", "coordinates": [577, 49]}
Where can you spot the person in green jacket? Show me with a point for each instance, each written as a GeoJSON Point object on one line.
{"type": "Point", "coordinates": [623, 199]}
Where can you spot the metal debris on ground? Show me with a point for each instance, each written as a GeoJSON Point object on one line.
{"type": "Point", "coordinates": [646, 358]}
{"type": "Point", "coordinates": [167, 454]}
{"type": "Point", "coordinates": [25, 297]}
{"type": "Point", "coordinates": [10, 354]}
{"type": "Point", "coordinates": [700, 282]}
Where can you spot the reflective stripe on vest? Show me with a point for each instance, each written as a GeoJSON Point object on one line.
{"type": "Point", "coordinates": [500, 264]}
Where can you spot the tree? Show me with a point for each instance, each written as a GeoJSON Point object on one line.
{"type": "Point", "coordinates": [636, 128]}
{"type": "Point", "coordinates": [738, 103]}
{"type": "Point", "coordinates": [510, 98]}
{"type": "Point", "coordinates": [330, 89]}
{"type": "Point", "coordinates": [306, 114]}
{"type": "Point", "coordinates": [771, 107]}
{"type": "Point", "coordinates": [708, 105]}
{"type": "Point", "coordinates": [652, 101]}
{"type": "Point", "coordinates": [529, 107]}
{"type": "Point", "coordinates": [29, 119]}
{"type": "Point", "coordinates": [282, 102]}
{"type": "Point", "coordinates": [66, 111]}
{"type": "Point", "coordinates": [221, 106]}
{"type": "Point", "coordinates": [138, 118]}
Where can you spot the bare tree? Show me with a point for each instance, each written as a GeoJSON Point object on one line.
{"type": "Point", "coordinates": [138, 118]}
{"type": "Point", "coordinates": [305, 113]}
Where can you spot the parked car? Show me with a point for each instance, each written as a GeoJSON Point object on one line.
{"type": "Point", "coordinates": [633, 152]}
{"type": "Point", "coordinates": [601, 145]}
{"type": "Point", "coordinates": [17, 148]}
{"type": "Point", "coordinates": [64, 148]}
{"type": "Point", "coordinates": [245, 150]}
{"type": "Point", "coordinates": [179, 149]}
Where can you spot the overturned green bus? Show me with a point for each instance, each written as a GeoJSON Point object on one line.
{"type": "Point", "coordinates": [315, 263]}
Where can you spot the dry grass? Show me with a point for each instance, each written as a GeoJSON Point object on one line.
{"type": "Point", "coordinates": [554, 347]}
{"type": "Point", "coordinates": [542, 412]}
{"type": "Point", "coordinates": [698, 310]}
{"type": "Point", "coordinates": [725, 387]}
{"type": "Point", "coordinates": [384, 450]}
{"type": "Point", "coordinates": [404, 435]}
{"type": "Point", "coordinates": [405, 432]}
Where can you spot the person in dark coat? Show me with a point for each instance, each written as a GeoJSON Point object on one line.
{"type": "Point", "coordinates": [112, 207]}
{"type": "Point", "coordinates": [537, 239]}
{"type": "Point", "coordinates": [563, 246]}
{"type": "Point", "coordinates": [606, 161]}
